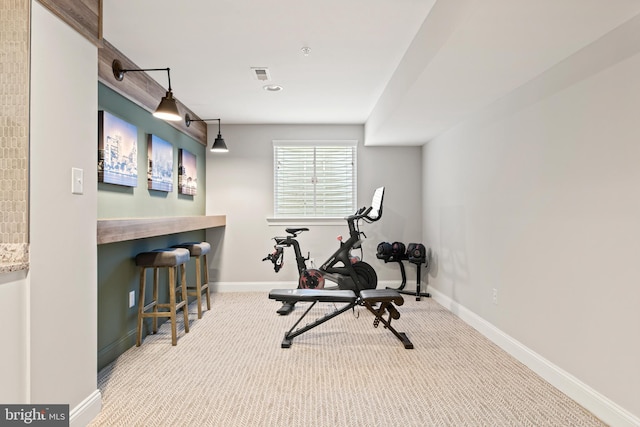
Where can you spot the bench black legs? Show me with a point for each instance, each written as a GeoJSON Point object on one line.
{"type": "Point", "coordinates": [379, 312]}
{"type": "Point", "coordinates": [378, 301]}
{"type": "Point", "coordinates": [291, 334]}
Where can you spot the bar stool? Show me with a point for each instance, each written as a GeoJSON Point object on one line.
{"type": "Point", "coordinates": [199, 250]}
{"type": "Point", "coordinates": [172, 259]}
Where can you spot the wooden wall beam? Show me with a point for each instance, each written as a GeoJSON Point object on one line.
{"type": "Point", "coordinates": [144, 91]}
{"type": "Point", "coordinates": [84, 16]}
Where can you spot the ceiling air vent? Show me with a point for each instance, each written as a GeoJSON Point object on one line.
{"type": "Point", "coordinates": [261, 73]}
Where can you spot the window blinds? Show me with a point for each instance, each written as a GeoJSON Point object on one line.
{"type": "Point", "coordinates": [314, 178]}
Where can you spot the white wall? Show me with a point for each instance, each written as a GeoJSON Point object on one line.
{"type": "Point", "coordinates": [240, 185]}
{"type": "Point", "coordinates": [62, 275]}
{"type": "Point", "coordinates": [541, 201]}
{"type": "Point", "coordinates": [14, 329]}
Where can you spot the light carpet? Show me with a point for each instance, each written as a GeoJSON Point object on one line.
{"type": "Point", "coordinates": [229, 370]}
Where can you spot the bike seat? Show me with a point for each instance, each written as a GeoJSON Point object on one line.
{"type": "Point", "coordinates": [296, 231]}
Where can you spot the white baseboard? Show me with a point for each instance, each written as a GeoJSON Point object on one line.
{"type": "Point", "coordinates": [596, 403]}
{"type": "Point", "coordinates": [86, 411]}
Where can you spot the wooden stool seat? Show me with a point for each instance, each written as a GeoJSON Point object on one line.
{"type": "Point", "coordinates": [199, 250]}
{"type": "Point", "coordinates": [172, 259]}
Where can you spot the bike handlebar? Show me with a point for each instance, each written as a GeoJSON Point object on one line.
{"type": "Point", "coordinates": [361, 213]}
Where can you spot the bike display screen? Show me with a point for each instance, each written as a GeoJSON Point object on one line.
{"type": "Point", "coordinates": [376, 203]}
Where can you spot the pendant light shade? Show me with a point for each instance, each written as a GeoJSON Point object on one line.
{"type": "Point", "coordinates": [219, 145]}
{"type": "Point", "coordinates": [168, 109]}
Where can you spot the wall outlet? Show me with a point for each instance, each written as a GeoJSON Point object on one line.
{"type": "Point", "coordinates": [495, 296]}
{"type": "Point", "coordinates": [132, 298]}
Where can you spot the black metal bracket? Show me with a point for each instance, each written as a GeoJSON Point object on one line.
{"type": "Point", "coordinates": [385, 307]}
{"type": "Point", "coordinates": [403, 274]}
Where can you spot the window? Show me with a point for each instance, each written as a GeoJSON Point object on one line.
{"type": "Point", "coordinates": [314, 179]}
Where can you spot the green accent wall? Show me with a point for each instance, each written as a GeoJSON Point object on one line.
{"type": "Point", "coordinates": [117, 272]}
{"type": "Point", "coordinates": [116, 201]}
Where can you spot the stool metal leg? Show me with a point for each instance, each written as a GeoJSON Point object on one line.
{"type": "Point", "coordinates": [172, 305]}
{"type": "Point", "coordinates": [206, 280]}
{"type": "Point", "coordinates": [154, 319]}
{"type": "Point", "coordinates": [198, 287]}
{"type": "Point", "coordinates": [185, 301]}
{"type": "Point", "coordinates": [143, 274]}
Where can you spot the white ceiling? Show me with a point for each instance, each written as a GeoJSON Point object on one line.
{"type": "Point", "coordinates": [408, 69]}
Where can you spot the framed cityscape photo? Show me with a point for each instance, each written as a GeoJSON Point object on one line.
{"type": "Point", "coordinates": [160, 171]}
{"type": "Point", "coordinates": [117, 150]}
{"type": "Point", "coordinates": [187, 173]}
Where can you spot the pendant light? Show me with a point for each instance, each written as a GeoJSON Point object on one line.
{"type": "Point", "coordinates": [167, 109]}
{"type": "Point", "coordinates": [219, 145]}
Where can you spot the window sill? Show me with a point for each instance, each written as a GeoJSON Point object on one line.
{"type": "Point", "coordinates": [295, 222]}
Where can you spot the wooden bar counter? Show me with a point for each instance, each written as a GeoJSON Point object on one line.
{"type": "Point", "coordinates": [123, 229]}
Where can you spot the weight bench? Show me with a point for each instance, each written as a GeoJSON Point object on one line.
{"type": "Point", "coordinates": [377, 301]}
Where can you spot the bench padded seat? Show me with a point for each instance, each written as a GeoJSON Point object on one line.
{"type": "Point", "coordinates": [169, 257]}
{"type": "Point", "coordinates": [381, 295]}
{"type": "Point", "coordinates": [195, 248]}
{"type": "Point", "coordinates": [310, 295]}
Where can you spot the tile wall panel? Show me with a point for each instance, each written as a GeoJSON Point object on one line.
{"type": "Point", "coordinates": [14, 134]}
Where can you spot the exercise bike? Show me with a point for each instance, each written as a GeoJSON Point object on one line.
{"type": "Point", "coordinates": [347, 271]}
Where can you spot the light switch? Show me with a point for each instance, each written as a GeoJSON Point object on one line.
{"type": "Point", "coordinates": [77, 181]}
